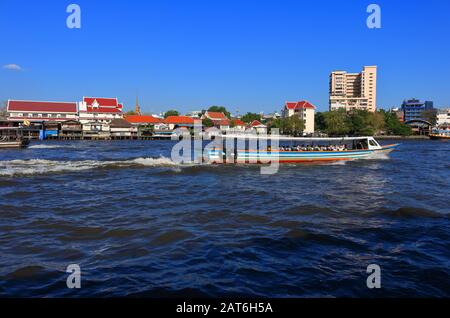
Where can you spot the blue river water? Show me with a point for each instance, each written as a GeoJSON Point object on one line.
{"type": "Point", "coordinates": [140, 225]}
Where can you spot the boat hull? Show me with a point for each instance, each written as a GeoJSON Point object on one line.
{"type": "Point", "coordinates": [439, 137]}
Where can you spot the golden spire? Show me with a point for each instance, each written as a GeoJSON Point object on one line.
{"type": "Point", "coordinates": [138, 109]}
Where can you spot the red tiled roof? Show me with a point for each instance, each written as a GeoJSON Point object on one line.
{"type": "Point", "coordinates": [91, 109]}
{"type": "Point", "coordinates": [215, 115]}
{"type": "Point", "coordinates": [238, 122]}
{"type": "Point", "coordinates": [105, 105]}
{"type": "Point", "coordinates": [256, 123]}
{"type": "Point", "coordinates": [179, 120]}
{"type": "Point", "coordinates": [222, 122]}
{"type": "Point", "coordinates": [142, 119]}
{"type": "Point", "coordinates": [300, 104]}
{"type": "Point", "coordinates": [36, 106]}
{"type": "Point", "coordinates": [102, 102]}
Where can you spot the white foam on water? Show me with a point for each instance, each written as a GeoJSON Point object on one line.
{"type": "Point", "coordinates": [337, 163]}
{"type": "Point", "coordinates": [42, 166]}
{"type": "Point", "coordinates": [162, 161]}
{"type": "Point", "coordinates": [45, 147]}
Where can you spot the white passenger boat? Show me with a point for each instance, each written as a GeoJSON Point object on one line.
{"type": "Point", "coordinates": [300, 150]}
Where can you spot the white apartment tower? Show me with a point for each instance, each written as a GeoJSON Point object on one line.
{"type": "Point", "coordinates": [354, 90]}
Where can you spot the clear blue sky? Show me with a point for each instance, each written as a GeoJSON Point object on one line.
{"type": "Point", "coordinates": [250, 55]}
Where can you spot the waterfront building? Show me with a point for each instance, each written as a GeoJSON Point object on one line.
{"type": "Point", "coordinates": [146, 125]}
{"type": "Point", "coordinates": [96, 114]}
{"type": "Point", "coordinates": [443, 117]}
{"type": "Point", "coordinates": [121, 129]}
{"type": "Point", "coordinates": [219, 119]}
{"type": "Point", "coordinates": [174, 122]}
{"type": "Point", "coordinates": [413, 109]}
{"type": "Point", "coordinates": [304, 110]}
{"type": "Point", "coordinates": [259, 127]}
{"type": "Point", "coordinates": [238, 125]}
{"type": "Point", "coordinates": [71, 129]}
{"type": "Point", "coordinates": [354, 90]}
{"type": "Point", "coordinates": [40, 111]}
{"type": "Point", "coordinates": [99, 109]}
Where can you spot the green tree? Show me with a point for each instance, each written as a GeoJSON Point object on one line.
{"type": "Point", "coordinates": [171, 112]}
{"type": "Point", "coordinates": [220, 109]}
{"type": "Point", "coordinates": [130, 112]}
{"type": "Point", "coordinates": [3, 112]}
{"type": "Point", "coordinates": [207, 122]}
{"type": "Point", "coordinates": [394, 126]}
{"type": "Point", "coordinates": [249, 117]}
{"type": "Point", "coordinates": [430, 115]}
{"type": "Point", "coordinates": [336, 122]}
{"type": "Point", "coordinates": [360, 123]}
{"type": "Point", "coordinates": [294, 126]}
{"type": "Point", "coordinates": [319, 122]}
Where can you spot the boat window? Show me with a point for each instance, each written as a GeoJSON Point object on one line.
{"type": "Point", "coordinates": [373, 143]}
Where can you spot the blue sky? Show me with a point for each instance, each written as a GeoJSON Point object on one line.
{"type": "Point", "coordinates": [248, 55]}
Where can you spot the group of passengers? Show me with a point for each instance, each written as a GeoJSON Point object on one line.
{"type": "Point", "coordinates": [314, 148]}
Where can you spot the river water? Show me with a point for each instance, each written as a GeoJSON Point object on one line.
{"type": "Point", "coordinates": [140, 225]}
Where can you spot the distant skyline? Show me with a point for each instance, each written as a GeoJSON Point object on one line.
{"type": "Point", "coordinates": [247, 55]}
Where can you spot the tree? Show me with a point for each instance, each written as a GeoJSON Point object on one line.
{"type": "Point", "coordinates": [130, 112]}
{"type": "Point", "coordinates": [206, 122]}
{"type": "Point", "coordinates": [394, 126]}
{"type": "Point", "coordinates": [336, 122]}
{"type": "Point", "coordinates": [294, 126]}
{"type": "Point", "coordinates": [171, 112]}
{"type": "Point", "coordinates": [250, 117]}
{"type": "Point", "coordinates": [220, 109]}
{"type": "Point", "coordinates": [361, 123]}
{"type": "Point", "coordinates": [319, 121]}
{"type": "Point", "coordinates": [3, 112]}
{"type": "Point", "coordinates": [430, 115]}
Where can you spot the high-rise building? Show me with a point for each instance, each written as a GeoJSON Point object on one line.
{"type": "Point", "coordinates": [354, 90]}
{"type": "Point", "coordinates": [413, 109]}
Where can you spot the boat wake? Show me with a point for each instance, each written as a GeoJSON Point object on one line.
{"type": "Point", "coordinates": [46, 147]}
{"type": "Point", "coordinates": [41, 166]}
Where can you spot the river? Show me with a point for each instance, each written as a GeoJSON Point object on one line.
{"type": "Point", "coordinates": [138, 224]}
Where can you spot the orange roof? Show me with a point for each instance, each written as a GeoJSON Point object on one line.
{"type": "Point", "coordinates": [238, 122]}
{"type": "Point", "coordinates": [179, 120]}
{"type": "Point", "coordinates": [300, 104]}
{"type": "Point", "coordinates": [256, 123]}
{"type": "Point", "coordinates": [141, 119]}
{"type": "Point", "coordinates": [222, 122]}
{"type": "Point", "coordinates": [216, 115]}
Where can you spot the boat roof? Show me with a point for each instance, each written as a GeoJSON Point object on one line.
{"type": "Point", "coordinates": [280, 137]}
